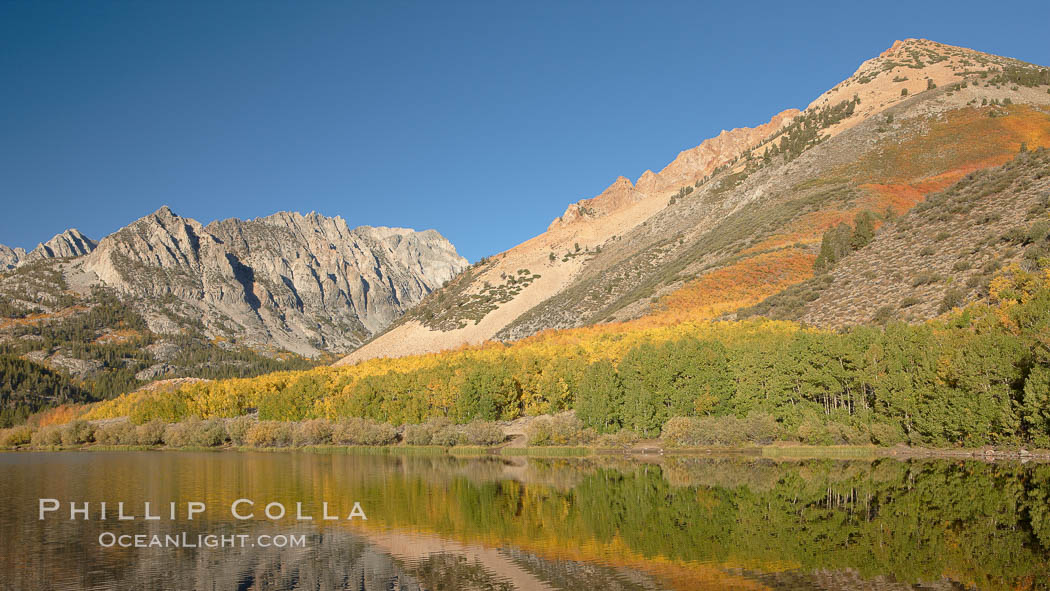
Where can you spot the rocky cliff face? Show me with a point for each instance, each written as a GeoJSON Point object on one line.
{"type": "Point", "coordinates": [167, 297]}
{"type": "Point", "coordinates": [300, 283]}
{"type": "Point", "coordinates": [10, 257]}
{"type": "Point", "coordinates": [686, 169]}
{"type": "Point", "coordinates": [71, 243]}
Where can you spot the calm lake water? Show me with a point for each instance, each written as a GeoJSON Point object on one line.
{"type": "Point", "coordinates": [498, 523]}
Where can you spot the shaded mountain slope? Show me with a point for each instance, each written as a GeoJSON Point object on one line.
{"type": "Point", "coordinates": [938, 256]}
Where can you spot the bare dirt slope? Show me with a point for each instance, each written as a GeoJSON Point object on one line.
{"type": "Point", "coordinates": [559, 254]}
{"type": "Point", "coordinates": [740, 217]}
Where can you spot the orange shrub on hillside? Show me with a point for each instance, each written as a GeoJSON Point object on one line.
{"type": "Point", "coordinates": [119, 336]}
{"type": "Point", "coordinates": [807, 229]}
{"type": "Point", "coordinates": [41, 317]}
{"type": "Point", "coordinates": [743, 283]}
{"type": "Point", "coordinates": [959, 142]}
{"type": "Point", "coordinates": [60, 415]}
{"type": "Point", "coordinates": [899, 176]}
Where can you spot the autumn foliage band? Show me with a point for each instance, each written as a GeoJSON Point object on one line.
{"type": "Point", "coordinates": [977, 376]}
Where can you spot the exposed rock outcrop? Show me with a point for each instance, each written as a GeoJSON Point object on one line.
{"type": "Point", "coordinates": [71, 243]}
{"type": "Point", "coordinates": [10, 257]}
{"type": "Point", "coordinates": [688, 167]}
{"type": "Point", "coordinates": [304, 283]}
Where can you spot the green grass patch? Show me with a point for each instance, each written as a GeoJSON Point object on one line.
{"type": "Point", "coordinates": [820, 451]}
{"type": "Point", "coordinates": [363, 450]}
{"type": "Point", "coordinates": [553, 451]}
{"type": "Point", "coordinates": [468, 450]}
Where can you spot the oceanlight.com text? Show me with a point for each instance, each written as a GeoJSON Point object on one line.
{"type": "Point", "coordinates": [188, 540]}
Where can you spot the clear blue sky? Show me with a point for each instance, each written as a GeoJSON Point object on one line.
{"type": "Point", "coordinates": [481, 120]}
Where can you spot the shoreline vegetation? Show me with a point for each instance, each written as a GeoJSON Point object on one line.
{"type": "Point", "coordinates": [560, 436]}
{"type": "Point", "coordinates": [977, 376]}
{"type": "Point", "coordinates": [975, 381]}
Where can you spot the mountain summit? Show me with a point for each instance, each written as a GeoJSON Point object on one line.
{"type": "Point", "coordinates": [741, 217]}
{"type": "Point", "coordinates": [301, 283]}
{"type": "Point", "coordinates": [71, 243]}
{"type": "Point", "coordinates": [689, 167]}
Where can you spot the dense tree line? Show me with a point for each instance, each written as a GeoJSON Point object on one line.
{"type": "Point", "coordinates": [124, 355]}
{"type": "Point", "coordinates": [1024, 75]}
{"type": "Point", "coordinates": [841, 240]}
{"type": "Point", "coordinates": [26, 387]}
{"type": "Point", "coordinates": [804, 131]}
{"type": "Point", "coordinates": [980, 376]}
{"type": "Point", "coordinates": [106, 311]}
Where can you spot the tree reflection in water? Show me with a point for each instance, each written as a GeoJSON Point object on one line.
{"type": "Point", "coordinates": [491, 523]}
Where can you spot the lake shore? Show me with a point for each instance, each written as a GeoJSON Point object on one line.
{"type": "Point", "coordinates": [644, 451]}
{"type": "Point", "coordinates": [542, 436]}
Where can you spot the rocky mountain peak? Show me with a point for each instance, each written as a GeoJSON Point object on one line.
{"type": "Point", "coordinates": [744, 217]}
{"type": "Point", "coordinates": [304, 283]}
{"type": "Point", "coordinates": [10, 257]}
{"type": "Point", "coordinates": [67, 244]}
{"type": "Point", "coordinates": [71, 243]}
{"type": "Point", "coordinates": [907, 68]}
{"type": "Point", "coordinates": [615, 196]}
{"type": "Point", "coordinates": [648, 182]}
{"type": "Point", "coordinates": [686, 169]}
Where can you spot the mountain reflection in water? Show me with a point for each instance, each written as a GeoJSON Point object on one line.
{"type": "Point", "coordinates": [493, 523]}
